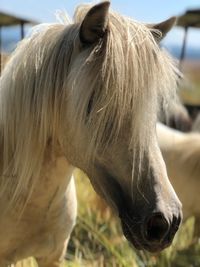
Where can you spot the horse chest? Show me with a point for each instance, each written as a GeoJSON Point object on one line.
{"type": "Point", "coordinates": [42, 222]}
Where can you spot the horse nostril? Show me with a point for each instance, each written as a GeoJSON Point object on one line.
{"type": "Point", "coordinates": [156, 228]}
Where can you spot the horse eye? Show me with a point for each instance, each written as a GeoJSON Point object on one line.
{"type": "Point", "coordinates": [90, 104]}
{"type": "Point", "coordinates": [89, 107]}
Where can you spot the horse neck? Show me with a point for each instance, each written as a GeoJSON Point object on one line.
{"type": "Point", "coordinates": [55, 177]}
{"type": "Point", "coordinates": [49, 189]}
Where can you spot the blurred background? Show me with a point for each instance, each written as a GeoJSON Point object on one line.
{"type": "Point", "coordinates": [97, 239]}
{"type": "Point", "coordinates": [147, 11]}
{"type": "Point", "coordinates": [154, 11]}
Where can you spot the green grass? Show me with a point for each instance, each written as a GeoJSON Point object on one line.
{"type": "Point", "coordinates": [97, 240]}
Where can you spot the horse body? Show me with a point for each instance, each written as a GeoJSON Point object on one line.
{"type": "Point", "coordinates": [181, 153]}
{"type": "Point", "coordinates": [85, 94]}
{"type": "Point", "coordinates": [196, 124]}
{"type": "Point", "coordinates": [177, 117]}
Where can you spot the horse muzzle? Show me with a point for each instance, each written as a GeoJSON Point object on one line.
{"type": "Point", "coordinates": [152, 234]}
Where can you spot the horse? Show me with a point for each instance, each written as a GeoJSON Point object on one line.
{"type": "Point", "coordinates": [196, 124]}
{"type": "Point", "coordinates": [84, 94]}
{"type": "Point", "coordinates": [181, 152]}
{"type": "Point", "coordinates": [176, 117]}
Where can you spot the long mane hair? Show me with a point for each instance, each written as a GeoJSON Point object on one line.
{"type": "Point", "coordinates": [124, 75]}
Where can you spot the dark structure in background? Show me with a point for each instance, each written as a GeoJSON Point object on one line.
{"type": "Point", "coordinates": [7, 20]}
{"type": "Point", "coordinates": [191, 19]}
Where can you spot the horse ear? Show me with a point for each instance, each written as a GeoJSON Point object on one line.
{"type": "Point", "coordinates": [163, 27]}
{"type": "Point", "coordinates": [95, 23]}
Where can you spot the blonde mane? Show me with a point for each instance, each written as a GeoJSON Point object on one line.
{"type": "Point", "coordinates": [44, 71]}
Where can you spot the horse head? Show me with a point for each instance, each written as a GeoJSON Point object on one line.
{"type": "Point", "coordinates": [118, 76]}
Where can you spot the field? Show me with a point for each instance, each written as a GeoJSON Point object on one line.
{"type": "Point", "coordinates": [4, 58]}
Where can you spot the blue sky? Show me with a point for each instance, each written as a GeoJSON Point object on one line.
{"type": "Point", "coordinates": [143, 10]}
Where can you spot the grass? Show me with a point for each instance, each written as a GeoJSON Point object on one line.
{"type": "Point", "coordinates": [97, 240]}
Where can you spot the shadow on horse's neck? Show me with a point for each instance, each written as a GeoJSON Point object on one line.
{"type": "Point", "coordinates": [56, 173]}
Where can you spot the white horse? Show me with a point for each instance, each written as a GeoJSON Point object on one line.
{"type": "Point", "coordinates": [176, 117]}
{"type": "Point", "coordinates": [196, 124]}
{"type": "Point", "coordinates": [84, 94]}
{"type": "Point", "coordinates": [181, 152]}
